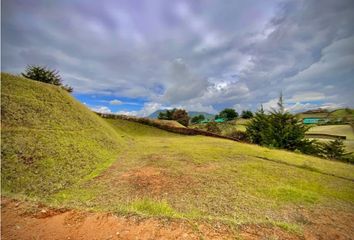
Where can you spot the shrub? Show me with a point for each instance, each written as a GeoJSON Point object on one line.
{"type": "Point", "coordinates": [213, 127]}
{"type": "Point", "coordinates": [239, 135]}
{"type": "Point", "coordinates": [43, 74]}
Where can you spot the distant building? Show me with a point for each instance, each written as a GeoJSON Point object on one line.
{"type": "Point", "coordinates": [220, 120]}
{"type": "Point", "coordinates": [312, 120]}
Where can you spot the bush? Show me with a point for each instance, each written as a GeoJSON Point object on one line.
{"type": "Point", "coordinates": [213, 127]}
{"type": "Point", "coordinates": [43, 74]}
{"type": "Point", "coordinates": [239, 135]}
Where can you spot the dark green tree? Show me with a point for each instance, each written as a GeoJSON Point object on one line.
{"type": "Point", "coordinates": [181, 116]}
{"type": "Point", "coordinates": [43, 74]}
{"type": "Point", "coordinates": [228, 114]}
{"type": "Point", "coordinates": [246, 114]}
{"type": "Point", "coordinates": [255, 129]}
{"type": "Point", "coordinates": [279, 129]}
{"type": "Point", "coordinates": [166, 115]}
{"type": "Point", "coordinates": [198, 118]}
{"type": "Point", "coordinates": [334, 149]}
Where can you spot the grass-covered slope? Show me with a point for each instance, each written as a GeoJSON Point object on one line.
{"type": "Point", "coordinates": [49, 140]}
{"type": "Point", "coordinates": [197, 178]}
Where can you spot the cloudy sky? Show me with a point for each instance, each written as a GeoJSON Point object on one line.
{"type": "Point", "coordinates": [138, 56]}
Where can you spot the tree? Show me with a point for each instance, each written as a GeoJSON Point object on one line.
{"type": "Point", "coordinates": [228, 114]}
{"type": "Point", "coordinates": [198, 118]}
{"type": "Point", "coordinates": [255, 129]}
{"type": "Point", "coordinates": [279, 129]}
{"type": "Point", "coordinates": [181, 116]}
{"type": "Point", "coordinates": [334, 149]}
{"type": "Point", "coordinates": [43, 74]}
{"type": "Point", "coordinates": [246, 114]}
{"type": "Point", "coordinates": [166, 115]}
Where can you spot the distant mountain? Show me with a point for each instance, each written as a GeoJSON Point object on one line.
{"type": "Point", "coordinates": [190, 113]}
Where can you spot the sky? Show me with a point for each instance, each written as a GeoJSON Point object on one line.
{"type": "Point", "coordinates": [135, 57]}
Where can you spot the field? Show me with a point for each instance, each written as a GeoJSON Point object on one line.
{"type": "Point", "coordinates": [112, 177]}
{"type": "Point", "coordinates": [347, 114]}
{"type": "Point", "coordinates": [341, 130]}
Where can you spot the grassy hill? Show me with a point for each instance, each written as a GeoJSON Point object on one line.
{"type": "Point", "coordinates": [55, 149]}
{"type": "Point", "coordinates": [341, 130]}
{"type": "Point", "coordinates": [49, 140]}
{"type": "Point", "coordinates": [346, 113]}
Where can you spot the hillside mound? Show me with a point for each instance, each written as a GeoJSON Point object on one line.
{"type": "Point", "coordinates": [49, 140]}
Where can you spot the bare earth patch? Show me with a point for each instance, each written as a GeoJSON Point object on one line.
{"type": "Point", "coordinates": [22, 220]}
{"type": "Point", "coordinates": [154, 181]}
{"type": "Point", "coordinates": [83, 225]}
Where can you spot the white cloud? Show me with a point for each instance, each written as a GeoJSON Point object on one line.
{"type": "Point", "coordinates": [307, 97]}
{"type": "Point", "coordinates": [101, 109]}
{"type": "Point", "coordinates": [271, 104]}
{"type": "Point", "coordinates": [115, 102]}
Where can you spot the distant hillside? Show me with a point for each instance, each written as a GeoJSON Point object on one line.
{"type": "Point", "coordinates": [49, 140]}
{"type": "Point", "coordinates": [190, 113]}
{"type": "Point", "coordinates": [335, 114]}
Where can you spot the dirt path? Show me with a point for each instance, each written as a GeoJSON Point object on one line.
{"type": "Point", "coordinates": [21, 220]}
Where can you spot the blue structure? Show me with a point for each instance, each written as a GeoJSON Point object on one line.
{"type": "Point", "coordinates": [220, 120]}
{"type": "Point", "coordinates": [311, 120]}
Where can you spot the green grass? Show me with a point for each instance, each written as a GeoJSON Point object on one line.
{"type": "Point", "coordinates": [212, 179]}
{"type": "Point", "coordinates": [125, 167]}
{"type": "Point", "coordinates": [341, 113]}
{"type": "Point", "coordinates": [333, 115]}
{"type": "Point", "coordinates": [342, 130]}
{"type": "Point", "coordinates": [49, 140]}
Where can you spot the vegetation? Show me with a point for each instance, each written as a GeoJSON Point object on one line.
{"type": "Point", "coordinates": [179, 115]}
{"type": "Point", "coordinates": [203, 178]}
{"type": "Point", "coordinates": [338, 116]}
{"type": "Point", "coordinates": [239, 135]}
{"type": "Point", "coordinates": [43, 74]}
{"type": "Point", "coordinates": [82, 161]}
{"type": "Point", "coordinates": [279, 129]}
{"type": "Point", "coordinates": [334, 149]}
{"type": "Point", "coordinates": [246, 114]}
{"type": "Point", "coordinates": [49, 140]}
{"type": "Point", "coordinates": [228, 114]}
{"type": "Point", "coordinates": [336, 130]}
{"type": "Point", "coordinates": [213, 127]}
{"type": "Point", "coordinates": [197, 119]}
